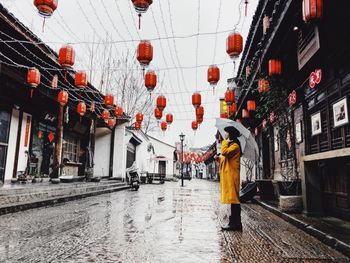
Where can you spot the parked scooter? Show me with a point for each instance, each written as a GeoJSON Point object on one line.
{"type": "Point", "coordinates": [133, 175]}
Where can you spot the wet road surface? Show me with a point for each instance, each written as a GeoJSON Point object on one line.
{"type": "Point", "coordinates": [159, 223]}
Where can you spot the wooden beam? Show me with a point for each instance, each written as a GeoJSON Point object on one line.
{"type": "Point", "coordinates": [345, 152]}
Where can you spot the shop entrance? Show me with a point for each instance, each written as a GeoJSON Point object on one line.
{"type": "Point", "coordinates": [162, 167]}
{"type": "Point", "coordinates": [5, 118]}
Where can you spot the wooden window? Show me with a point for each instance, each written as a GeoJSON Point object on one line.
{"type": "Point", "coordinates": [71, 149]}
{"type": "Point", "coordinates": [308, 43]}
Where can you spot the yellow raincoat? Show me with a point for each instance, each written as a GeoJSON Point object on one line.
{"type": "Point", "coordinates": [229, 172]}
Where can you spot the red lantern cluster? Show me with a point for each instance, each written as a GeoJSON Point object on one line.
{"type": "Point", "coordinates": [150, 80]}
{"type": "Point", "coordinates": [80, 79]}
{"type": "Point", "coordinates": [105, 115]}
{"type": "Point", "coordinates": [161, 102]}
{"type": "Point", "coordinates": [137, 126]}
{"type": "Point", "coordinates": [81, 108]}
{"type": "Point", "coordinates": [251, 105]}
{"type": "Point", "coordinates": [66, 56]}
{"type": "Point", "coordinates": [312, 10]}
{"type": "Point", "coordinates": [33, 77]}
{"type": "Point", "coordinates": [158, 113]}
{"type": "Point", "coordinates": [263, 85]}
{"type": "Point", "coordinates": [245, 114]}
{"type": "Point", "coordinates": [199, 119]}
{"type": "Point", "coordinates": [111, 123]}
{"type": "Point", "coordinates": [234, 45]}
{"type": "Point", "coordinates": [275, 67]}
{"type": "Point", "coordinates": [200, 111]}
{"type": "Point", "coordinates": [163, 126]}
{"type": "Point", "coordinates": [169, 118]}
{"type": "Point", "coordinates": [194, 125]}
{"type": "Point", "coordinates": [196, 99]}
{"type": "Point", "coordinates": [213, 75]}
{"type": "Point", "coordinates": [224, 115]}
{"type": "Point", "coordinates": [109, 100]}
{"type": "Point", "coordinates": [144, 53]}
{"type": "Point", "coordinates": [232, 109]}
{"type": "Point", "coordinates": [62, 97]}
{"type": "Point", "coordinates": [46, 7]}
{"type": "Point", "coordinates": [118, 111]}
{"type": "Point", "coordinates": [229, 97]}
{"type": "Point", "coordinates": [139, 117]}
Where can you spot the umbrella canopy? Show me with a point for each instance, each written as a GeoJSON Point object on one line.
{"type": "Point", "coordinates": [249, 147]}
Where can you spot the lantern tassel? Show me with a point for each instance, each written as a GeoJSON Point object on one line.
{"type": "Point", "coordinates": [139, 21]}
{"type": "Point", "coordinates": [31, 93]}
{"type": "Point", "coordinates": [246, 8]}
{"type": "Point", "coordinates": [43, 26]}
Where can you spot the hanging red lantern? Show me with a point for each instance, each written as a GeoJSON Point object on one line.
{"type": "Point", "coordinates": [80, 79]}
{"type": "Point", "coordinates": [224, 115]}
{"type": "Point", "coordinates": [144, 53]}
{"type": "Point", "coordinates": [234, 45]}
{"type": "Point", "coordinates": [161, 102]}
{"type": "Point", "coordinates": [194, 125]}
{"type": "Point", "coordinates": [105, 115]}
{"type": "Point", "coordinates": [118, 112]}
{"type": "Point", "coordinates": [213, 75]}
{"type": "Point", "coordinates": [150, 80]}
{"type": "Point", "coordinates": [163, 126]}
{"type": "Point", "coordinates": [232, 109]}
{"type": "Point", "coordinates": [199, 119]}
{"type": "Point", "coordinates": [139, 117]}
{"type": "Point", "coordinates": [66, 56]}
{"type": "Point", "coordinates": [158, 113]}
{"type": "Point", "coordinates": [263, 85]}
{"type": "Point", "coordinates": [111, 123]}
{"type": "Point", "coordinates": [81, 108]}
{"type": "Point", "coordinates": [245, 114]}
{"type": "Point", "coordinates": [200, 111]}
{"type": "Point", "coordinates": [196, 99]}
{"type": "Point", "coordinates": [33, 77]}
{"type": "Point", "coordinates": [312, 10]}
{"type": "Point", "coordinates": [62, 97]}
{"type": "Point", "coordinates": [169, 118]}
{"type": "Point", "coordinates": [275, 67]}
{"type": "Point", "coordinates": [46, 7]}
{"type": "Point", "coordinates": [109, 100]}
{"type": "Point", "coordinates": [229, 97]}
{"type": "Point", "coordinates": [141, 6]}
{"type": "Point", "coordinates": [137, 125]}
{"type": "Point", "coordinates": [251, 105]}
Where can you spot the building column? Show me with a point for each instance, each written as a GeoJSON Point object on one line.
{"type": "Point", "coordinates": [58, 146]}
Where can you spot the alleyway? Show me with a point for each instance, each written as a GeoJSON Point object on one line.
{"type": "Point", "coordinates": [159, 223]}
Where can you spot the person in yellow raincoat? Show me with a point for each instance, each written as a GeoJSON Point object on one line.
{"type": "Point", "coordinates": [229, 163]}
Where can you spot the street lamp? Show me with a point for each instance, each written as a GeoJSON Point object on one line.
{"type": "Point", "coordinates": [182, 138]}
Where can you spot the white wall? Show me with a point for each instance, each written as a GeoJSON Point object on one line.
{"type": "Point", "coordinates": [11, 150]}
{"type": "Point", "coordinates": [22, 156]}
{"type": "Point", "coordinates": [122, 138]}
{"type": "Point", "coordinates": [162, 149]}
{"type": "Point", "coordinates": [102, 151]}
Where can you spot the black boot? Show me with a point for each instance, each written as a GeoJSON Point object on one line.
{"type": "Point", "coordinates": [235, 223]}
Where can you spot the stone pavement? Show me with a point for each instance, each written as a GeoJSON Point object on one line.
{"type": "Point", "coordinates": [159, 223]}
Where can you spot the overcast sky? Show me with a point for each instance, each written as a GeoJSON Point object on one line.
{"type": "Point", "coordinates": [181, 62]}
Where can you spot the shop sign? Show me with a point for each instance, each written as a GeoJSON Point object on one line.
{"type": "Point", "coordinates": [51, 136]}
{"type": "Point", "coordinates": [315, 78]}
{"type": "Point", "coordinates": [292, 98]}
{"type": "Point", "coordinates": [26, 135]}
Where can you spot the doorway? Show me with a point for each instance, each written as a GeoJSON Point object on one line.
{"type": "Point", "coordinates": [162, 168]}
{"type": "Point", "coordinates": [5, 118]}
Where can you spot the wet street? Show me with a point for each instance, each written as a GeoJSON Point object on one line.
{"type": "Point", "coordinates": [159, 223]}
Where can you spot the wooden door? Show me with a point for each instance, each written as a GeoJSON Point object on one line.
{"type": "Point", "coordinates": [5, 118]}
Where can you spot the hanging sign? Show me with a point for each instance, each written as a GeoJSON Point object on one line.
{"type": "Point", "coordinates": [292, 98]}
{"type": "Point", "coordinates": [26, 135]}
{"type": "Point", "coordinates": [315, 78]}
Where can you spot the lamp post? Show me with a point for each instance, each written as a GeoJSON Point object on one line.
{"type": "Point", "coordinates": [182, 137]}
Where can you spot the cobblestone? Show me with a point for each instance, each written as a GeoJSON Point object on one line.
{"type": "Point", "coordinates": [158, 223]}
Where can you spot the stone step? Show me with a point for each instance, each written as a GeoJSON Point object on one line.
{"type": "Point", "coordinates": [52, 193]}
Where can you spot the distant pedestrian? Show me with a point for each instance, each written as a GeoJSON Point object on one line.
{"type": "Point", "coordinates": [229, 163]}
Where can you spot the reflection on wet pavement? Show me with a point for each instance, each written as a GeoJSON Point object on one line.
{"type": "Point", "coordinates": [159, 223]}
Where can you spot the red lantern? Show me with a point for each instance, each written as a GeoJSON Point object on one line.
{"type": "Point", "coordinates": [139, 117]}
{"type": "Point", "coordinates": [229, 97]}
{"type": "Point", "coordinates": [169, 118]}
{"type": "Point", "coordinates": [200, 111]}
{"type": "Point", "coordinates": [251, 105]}
{"type": "Point", "coordinates": [109, 100]}
{"type": "Point", "coordinates": [150, 80]}
{"type": "Point", "coordinates": [66, 56]}
{"type": "Point", "coordinates": [213, 75]}
{"type": "Point", "coordinates": [144, 53]}
{"type": "Point", "coordinates": [234, 45]}
{"type": "Point", "coordinates": [161, 102]}
{"type": "Point", "coordinates": [158, 113]}
{"type": "Point", "coordinates": [62, 97]}
{"type": "Point", "coordinates": [263, 85]}
{"type": "Point", "coordinates": [118, 111]}
{"type": "Point", "coordinates": [199, 119]}
{"type": "Point", "coordinates": [80, 79]}
{"type": "Point", "coordinates": [275, 67]}
{"type": "Point", "coordinates": [81, 108]}
{"type": "Point", "coordinates": [141, 6]}
{"type": "Point", "coordinates": [137, 125]}
{"type": "Point", "coordinates": [111, 123]}
{"type": "Point", "coordinates": [245, 114]}
{"type": "Point", "coordinates": [224, 115]}
{"type": "Point", "coordinates": [46, 7]}
{"type": "Point", "coordinates": [33, 77]}
{"type": "Point", "coordinates": [105, 115]}
{"type": "Point", "coordinates": [232, 109]}
{"type": "Point", "coordinates": [196, 99]}
{"type": "Point", "coordinates": [194, 125]}
{"type": "Point", "coordinates": [163, 126]}
{"type": "Point", "coordinates": [312, 10]}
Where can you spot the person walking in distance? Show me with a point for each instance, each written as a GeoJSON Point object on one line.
{"type": "Point", "coordinates": [229, 163]}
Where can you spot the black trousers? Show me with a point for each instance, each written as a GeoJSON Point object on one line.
{"type": "Point", "coordinates": [235, 218]}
